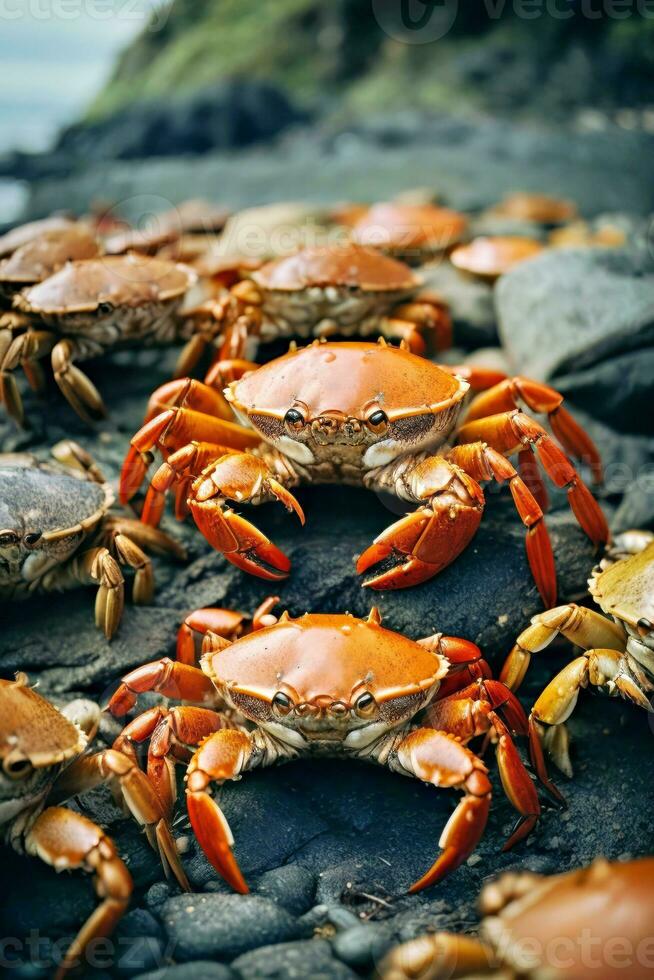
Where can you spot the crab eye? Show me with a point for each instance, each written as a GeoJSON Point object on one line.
{"type": "Point", "coordinates": [365, 704]}
{"type": "Point", "coordinates": [16, 768]}
{"type": "Point", "coordinates": [378, 419]}
{"type": "Point", "coordinates": [282, 703]}
{"type": "Point", "coordinates": [294, 419]}
{"type": "Point", "coordinates": [105, 308]}
{"type": "Point", "coordinates": [7, 538]}
{"type": "Point", "coordinates": [33, 538]}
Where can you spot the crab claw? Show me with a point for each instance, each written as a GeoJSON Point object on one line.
{"type": "Point", "coordinates": [417, 547]}
{"type": "Point", "coordinates": [223, 755]}
{"type": "Point", "coordinates": [242, 544]}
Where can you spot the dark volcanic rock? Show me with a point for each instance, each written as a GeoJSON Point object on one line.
{"type": "Point", "coordinates": [225, 926]}
{"type": "Point", "coordinates": [293, 961]}
{"type": "Point", "coordinates": [291, 886]}
{"type": "Point", "coordinates": [569, 310]}
{"type": "Point", "coordinates": [198, 970]}
{"type": "Point", "coordinates": [618, 390]}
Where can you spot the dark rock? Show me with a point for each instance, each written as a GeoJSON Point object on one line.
{"type": "Point", "coordinates": [293, 961]}
{"type": "Point", "coordinates": [224, 926]}
{"type": "Point", "coordinates": [138, 953]}
{"type": "Point", "coordinates": [198, 970]}
{"type": "Point", "coordinates": [470, 302]}
{"type": "Point", "coordinates": [290, 886]}
{"type": "Point", "coordinates": [358, 946]}
{"type": "Point", "coordinates": [618, 390]}
{"type": "Point", "coordinates": [568, 310]}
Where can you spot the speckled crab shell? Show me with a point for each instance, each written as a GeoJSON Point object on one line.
{"type": "Point", "coordinates": [32, 730]}
{"type": "Point", "coordinates": [625, 590]}
{"type": "Point", "coordinates": [44, 497]}
{"type": "Point", "coordinates": [322, 654]}
{"type": "Point", "coordinates": [126, 281]}
{"type": "Point", "coordinates": [46, 254]}
{"type": "Point", "coordinates": [351, 378]}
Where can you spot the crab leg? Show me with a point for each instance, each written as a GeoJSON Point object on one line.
{"type": "Point", "coordinates": [225, 370]}
{"type": "Point", "coordinates": [608, 669]}
{"type": "Point", "coordinates": [188, 393]}
{"type": "Point", "coordinates": [168, 677]}
{"type": "Point", "coordinates": [131, 786]}
{"type": "Point", "coordinates": [181, 468]}
{"type": "Point", "coordinates": [439, 956]}
{"type": "Point", "coordinates": [484, 463]}
{"type": "Point", "coordinates": [65, 839]}
{"type": "Point", "coordinates": [213, 622]}
{"type": "Point", "coordinates": [245, 478]}
{"type": "Point", "coordinates": [440, 759]}
{"type": "Point", "coordinates": [78, 390]}
{"type": "Point", "coordinates": [224, 755]}
{"type": "Point", "coordinates": [172, 429]}
{"type": "Point", "coordinates": [424, 323]}
{"type": "Point", "coordinates": [511, 431]}
{"type": "Point", "coordinates": [509, 393]}
{"type": "Point", "coordinates": [466, 661]}
{"type": "Point", "coordinates": [171, 733]}
{"type": "Point", "coordinates": [586, 628]}
{"type": "Point", "coordinates": [95, 567]}
{"type": "Point", "coordinates": [25, 350]}
{"type": "Point", "coordinates": [476, 710]}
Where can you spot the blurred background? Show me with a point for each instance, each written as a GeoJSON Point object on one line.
{"type": "Point", "coordinates": [118, 98]}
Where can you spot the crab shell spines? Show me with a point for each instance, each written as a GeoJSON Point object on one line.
{"type": "Point", "coordinates": [349, 378]}
{"type": "Point", "coordinates": [326, 655]}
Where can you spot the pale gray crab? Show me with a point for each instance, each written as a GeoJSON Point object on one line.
{"type": "Point", "coordinates": [56, 532]}
{"type": "Point", "coordinates": [85, 309]}
{"type": "Point", "coordinates": [44, 255]}
{"type": "Point", "coordinates": [618, 653]}
{"type": "Point", "coordinates": [43, 762]}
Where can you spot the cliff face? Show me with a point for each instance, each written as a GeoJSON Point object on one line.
{"type": "Point", "coordinates": [355, 55]}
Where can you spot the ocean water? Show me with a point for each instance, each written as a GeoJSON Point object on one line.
{"type": "Point", "coordinates": [54, 56]}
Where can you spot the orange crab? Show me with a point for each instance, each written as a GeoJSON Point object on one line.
{"type": "Point", "coordinates": [325, 685]}
{"type": "Point", "coordinates": [365, 415]}
{"type": "Point", "coordinates": [318, 292]}
{"type": "Point", "coordinates": [593, 922]}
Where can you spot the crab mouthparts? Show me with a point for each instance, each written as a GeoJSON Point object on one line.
{"type": "Point", "coordinates": [338, 430]}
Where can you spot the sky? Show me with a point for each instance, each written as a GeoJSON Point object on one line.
{"type": "Point", "coordinates": [54, 56]}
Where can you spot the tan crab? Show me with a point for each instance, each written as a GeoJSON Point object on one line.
{"type": "Point", "coordinates": [325, 685]}
{"type": "Point", "coordinates": [489, 257]}
{"type": "Point", "coordinates": [594, 923]}
{"type": "Point", "coordinates": [22, 234]}
{"type": "Point", "coordinates": [333, 289]}
{"type": "Point", "coordinates": [44, 255]}
{"type": "Point", "coordinates": [367, 415]}
{"type": "Point", "coordinates": [618, 656]}
{"type": "Point", "coordinates": [43, 763]}
{"type": "Point", "coordinates": [86, 308]}
{"type": "Point", "coordinates": [56, 532]}
{"type": "Point", "coordinates": [414, 233]}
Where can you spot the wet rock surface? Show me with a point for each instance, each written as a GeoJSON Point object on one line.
{"type": "Point", "coordinates": [329, 848]}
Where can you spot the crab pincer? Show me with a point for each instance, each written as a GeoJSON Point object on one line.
{"type": "Point", "coordinates": [241, 477]}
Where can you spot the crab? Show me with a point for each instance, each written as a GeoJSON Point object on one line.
{"type": "Point", "coordinates": [366, 415]}
{"type": "Point", "coordinates": [618, 653]}
{"type": "Point", "coordinates": [536, 207]}
{"type": "Point", "coordinates": [44, 255]}
{"type": "Point", "coordinates": [414, 233]}
{"type": "Point", "coordinates": [43, 763]}
{"type": "Point", "coordinates": [590, 922]}
{"type": "Point", "coordinates": [324, 685]}
{"type": "Point", "coordinates": [22, 234]}
{"type": "Point", "coordinates": [84, 309]}
{"type": "Point", "coordinates": [333, 289]}
{"type": "Point", "coordinates": [488, 258]}
{"type": "Point", "coordinates": [56, 532]}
